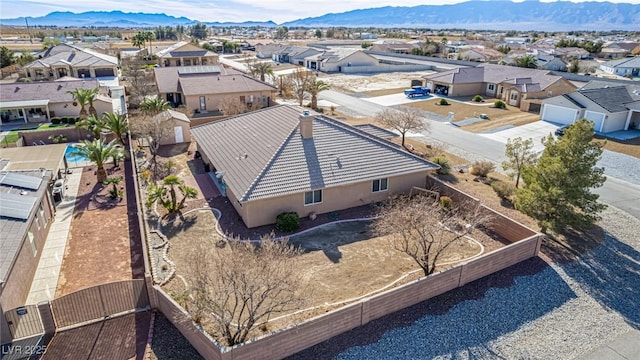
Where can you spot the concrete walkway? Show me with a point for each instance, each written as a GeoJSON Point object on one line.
{"type": "Point", "coordinates": [45, 280]}
{"type": "Point", "coordinates": [624, 347]}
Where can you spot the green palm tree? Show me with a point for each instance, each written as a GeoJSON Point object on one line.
{"type": "Point", "coordinates": [167, 196]}
{"type": "Point", "coordinates": [187, 193]}
{"type": "Point", "coordinates": [113, 181]}
{"type": "Point", "coordinates": [261, 70]}
{"type": "Point", "coordinates": [93, 124]}
{"type": "Point", "coordinates": [91, 97]}
{"type": "Point", "coordinates": [314, 89]}
{"type": "Point", "coordinates": [527, 61]}
{"type": "Point", "coordinates": [99, 152]}
{"type": "Point", "coordinates": [80, 96]}
{"type": "Point", "coordinates": [117, 124]}
{"type": "Point", "coordinates": [153, 106]}
{"type": "Point", "coordinates": [148, 36]}
{"type": "Point", "coordinates": [138, 40]}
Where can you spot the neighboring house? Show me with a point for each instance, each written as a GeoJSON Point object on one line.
{"type": "Point", "coordinates": [40, 101]}
{"type": "Point", "coordinates": [572, 53]}
{"type": "Point", "coordinates": [397, 48]}
{"type": "Point", "coordinates": [26, 214]}
{"type": "Point", "coordinates": [611, 108]}
{"type": "Point", "coordinates": [520, 87]}
{"type": "Point", "coordinates": [266, 51]}
{"type": "Point", "coordinates": [180, 127]}
{"type": "Point", "coordinates": [623, 67]}
{"type": "Point", "coordinates": [202, 88]}
{"type": "Point", "coordinates": [552, 63]}
{"type": "Point", "coordinates": [342, 60]}
{"type": "Point", "coordinates": [613, 51]}
{"type": "Point", "coordinates": [68, 60]}
{"type": "Point", "coordinates": [294, 54]}
{"type": "Point", "coordinates": [302, 162]}
{"type": "Point", "coordinates": [480, 54]}
{"type": "Point", "coordinates": [185, 54]}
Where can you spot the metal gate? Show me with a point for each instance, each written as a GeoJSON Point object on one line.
{"type": "Point", "coordinates": [24, 321]}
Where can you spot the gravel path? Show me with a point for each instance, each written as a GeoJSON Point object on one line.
{"type": "Point", "coordinates": [168, 343]}
{"type": "Point", "coordinates": [529, 311]}
{"type": "Point", "coordinates": [621, 166]}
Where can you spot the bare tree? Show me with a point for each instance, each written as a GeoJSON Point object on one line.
{"type": "Point", "coordinates": [232, 106]}
{"type": "Point", "coordinates": [301, 81]}
{"type": "Point", "coordinates": [243, 285]}
{"type": "Point", "coordinates": [403, 121]}
{"type": "Point", "coordinates": [154, 130]}
{"type": "Point", "coordinates": [139, 80]}
{"type": "Point", "coordinates": [423, 228]}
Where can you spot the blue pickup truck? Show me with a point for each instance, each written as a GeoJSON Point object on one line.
{"type": "Point", "coordinates": [417, 91]}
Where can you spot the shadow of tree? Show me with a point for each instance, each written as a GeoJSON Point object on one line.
{"type": "Point", "coordinates": [610, 273]}
{"type": "Point", "coordinates": [328, 238]}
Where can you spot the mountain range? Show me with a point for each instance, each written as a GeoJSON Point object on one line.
{"type": "Point", "coordinates": [475, 14]}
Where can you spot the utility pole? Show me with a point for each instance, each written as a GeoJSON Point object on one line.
{"type": "Point", "coordinates": [28, 31]}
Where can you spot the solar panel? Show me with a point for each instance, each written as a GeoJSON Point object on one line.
{"type": "Point", "coordinates": [199, 69]}
{"type": "Point", "coordinates": [16, 206]}
{"type": "Point", "coordinates": [20, 180]}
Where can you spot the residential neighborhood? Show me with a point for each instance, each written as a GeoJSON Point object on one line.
{"type": "Point", "coordinates": [252, 190]}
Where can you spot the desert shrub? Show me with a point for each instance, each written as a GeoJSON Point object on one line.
{"type": "Point", "coordinates": [482, 168]}
{"type": "Point", "coordinates": [477, 98]}
{"type": "Point", "coordinates": [445, 202]}
{"type": "Point", "coordinates": [287, 221]}
{"type": "Point", "coordinates": [445, 167]}
{"type": "Point", "coordinates": [56, 120]}
{"type": "Point", "coordinates": [499, 104]}
{"type": "Point", "coordinates": [503, 189]}
{"type": "Point", "coordinates": [443, 102]}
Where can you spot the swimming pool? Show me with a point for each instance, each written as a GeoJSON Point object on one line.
{"type": "Point", "coordinates": [74, 158]}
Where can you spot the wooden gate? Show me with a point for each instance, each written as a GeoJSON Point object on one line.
{"type": "Point", "coordinates": [24, 321]}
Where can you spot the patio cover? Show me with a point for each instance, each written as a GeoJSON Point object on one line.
{"type": "Point", "coordinates": [23, 104]}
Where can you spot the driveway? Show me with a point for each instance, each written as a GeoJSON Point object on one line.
{"type": "Point", "coordinates": [395, 99]}
{"type": "Point", "coordinates": [536, 131]}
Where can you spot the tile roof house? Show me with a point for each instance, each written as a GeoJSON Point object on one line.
{"type": "Point", "coordinates": [40, 101]}
{"type": "Point", "coordinates": [70, 60]}
{"type": "Point", "coordinates": [280, 159]}
{"type": "Point", "coordinates": [202, 89]}
{"type": "Point", "coordinates": [341, 60]}
{"type": "Point", "coordinates": [185, 54]}
{"type": "Point", "coordinates": [294, 54]}
{"type": "Point", "coordinates": [629, 66]}
{"type": "Point", "coordinates": [26, 214]}
{"type": "Point", "coordinates": [611, 108]}
{"type": "Point", "coordinates": [516, 86]}
{"type": "Point", "coordinates": [480, 54]}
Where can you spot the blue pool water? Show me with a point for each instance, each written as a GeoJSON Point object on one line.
{"type": "Point", "coordinates": [73, 158]}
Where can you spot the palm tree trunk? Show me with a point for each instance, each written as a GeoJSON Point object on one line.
{"type": "Point", "coordinates": [101, 174]}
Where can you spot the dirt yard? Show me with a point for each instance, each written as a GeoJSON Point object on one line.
{"type": "Point", "coordinates": [366, 84]}
{"type": "Point", "coordinates": [102, 246]}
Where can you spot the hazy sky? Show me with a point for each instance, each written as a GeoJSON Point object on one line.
{"type": "Point", "coordinates": [217, 10]}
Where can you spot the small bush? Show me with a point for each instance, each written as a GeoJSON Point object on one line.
{"type": "Point", "coordinates": [64, 120]}
{"type": "Point", "coordinates": [503, 189]}
{"type": "Point", "coordinates": [445, 202]}
{"type": "Point", "coordinates": [287, 221]}
{"type": "Point", "coordinates": [71, 121]}
{"type": "Point", "coordinates": [443, 102]}
{"type": "Point", "coordinates": [499, 104]}
{"type": "Point", "coordinates": [445, 168]}
{"type": "Point", "coordinates": [56, 120]}
{"type": "Point", "coordinates": [477, 98]}
{"type": "Point", "coordinates": [482, 168]}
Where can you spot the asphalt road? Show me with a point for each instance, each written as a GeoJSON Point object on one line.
{"type": "Point", "coordinates": [615, 192]}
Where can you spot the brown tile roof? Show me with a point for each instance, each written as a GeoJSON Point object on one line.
{"type": "Point", "coordinates": [54, 91]}
{"type": "Point", "coordinates": [221, 84]}
{"type": "Point", "coordinates": [263, 155]}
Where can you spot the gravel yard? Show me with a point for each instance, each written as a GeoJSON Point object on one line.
{"type": "Point", "coordinates": [529, 311]}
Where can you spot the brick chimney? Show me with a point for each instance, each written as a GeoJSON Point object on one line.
{"type": "Point", "coordinates": [306, 125]}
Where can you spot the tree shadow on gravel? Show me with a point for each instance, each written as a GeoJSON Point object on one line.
{"type": "Point", "coordinates": [610, 273]}
{"type": "Point", "coordinates": [489, 308]}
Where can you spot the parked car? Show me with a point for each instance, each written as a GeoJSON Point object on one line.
{"type": "Point", "coordinates": [560, 131]}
